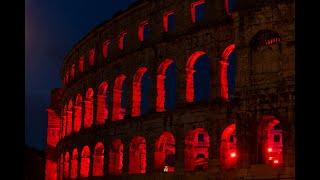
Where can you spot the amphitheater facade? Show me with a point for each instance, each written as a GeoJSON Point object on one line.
{"type": "Point", "coordinates": [186, 89]}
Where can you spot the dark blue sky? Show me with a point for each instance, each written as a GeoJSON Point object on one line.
{"type": "Point", "coordinates": [52, 28]}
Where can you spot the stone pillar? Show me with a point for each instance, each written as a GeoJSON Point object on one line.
{"type": "Point", "coordinates": [179, 162]}
{"type": "Point", "coordinates": [150, 155]}
{"type": "Point", "coordinates": [125, 160]}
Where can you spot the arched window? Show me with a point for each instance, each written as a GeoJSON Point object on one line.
{"type": "Point", "coordinates": [92, 56]}
{"type": "Point", "coordinates": [116, 157]}
{"type": "Point", "coordinates": [72, 71]}
{"type": "Point", "coordinates": [98, 160]}
{"type": "Point", "coordinates": [122, 43]}
{"type": "Point", "coordinates": [85, 162]}
{"type": "Point", "coordinates": [197, 11]}
{"type": "Point", "coordinates": [102, 103]}
{"type": "Point", "coordinates": [105, 48]}
{"type": "Point", "coordinates": [228, 147]}
{"type": "Point", "coordinates": [137, 156]}
{"type": "Point", "coordinates": [168, 21]}
{"type": "Point", "coordinates": [88, 108]}
{"type": "Point", "coordinates": [270, 141]}
{"type": "Point", "coordinates": [66, 165]}
{"type": "Point", "coordinates": [164, 155]}
{"type": "Point", "coordinates": [198, 77]}
{"type": "Point", "coordinates": [64, 123]}
{"type": "Point", "coordinates": [61, 170]}
{"type": "Point", "coordinates": [119, 98]}
{"type": "Point", "coordinates": [229, 5]}
{"type": "Point", "coordinates": [143, 31]}
{"type": "Point", "coordinates": [196, 150]}
{"type": "Point", "coordinates": [77, 113]}
{"type": "Point", "coordinates": [69, 117]}
{"type": "Point", "coordinates": [74, 164]}
{"type": "Point", "coordinates": [141, 92]}
{"type": "Point", "coordinates": [67, 77]}
{"type": "Point", "coordinates": [166, 86]}
{"type": "Point", "coordinates": [227, 72]}
{"type": "Point", "coordinates": [81, 64]}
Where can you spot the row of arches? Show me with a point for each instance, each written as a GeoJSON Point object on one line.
{"type": "Point", "coordinates": [197, 11]}
{"type": "Point", "coordinates": [198, 80]}
{"type": "Point", "coordinates": [196, 152]}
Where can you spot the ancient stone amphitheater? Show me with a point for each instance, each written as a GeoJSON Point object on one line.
{"type": "Point", "coordinates": [184, 89]}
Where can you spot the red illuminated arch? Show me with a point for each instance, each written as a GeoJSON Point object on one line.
{"type": "Point", "coordinates": [72, 71]}
{"type": "Point", "coordinates": [141, 30]}
{"type": "Point", "coordinates": [102, 107]}
{"type": "Point", "coordinates": [161, 76]}
{"type": "Point", "coordinates": [105, 48]}
{"type": "Point", "coordinates": [77, 113]}
{"type": "Point", "coordinates": [81, 64]}
{"type": "Point", "coordinates": [69, 117]}
{"type": "Point", "coordinates": [164, 152]}
{"type": "Point", "coordinates": [74, 164]}
{"type": "Point", "coordinates": [270, 141]}
{"type": "Point", "coordinates": [88, 108]}
{"type": "Point", "coordinates": [66, 165]}
{"type": "Point", "coordinates": [224, 71]}
{"type": "Point", "coordinates": [136, 92]}
{"type": "Point", "coordinates": [196, 150]}
{"type": "Point", "coordinates": [98, 160]}
{"type": "Point", "coordinates": [121, 40]}
{"type": "Point", "coordinates": [165, 20]}
{"type": "Point", "coordinates": [137, 156]}
{"type": "Point", "coordinates": [116, 157]}
{"type": "Point", "coordinates": [193, 9]}
{"type": "Point", "coordinates": [92, 56]}
{"type": "Point", "coordinates": [64, 123]}
{"type": "Point", "coordinates": [118, 112]}
{"type": "Point", "coordinates": [190, 74]}
{"type": "Point", "coordinates": [85, 162]}
{"type": "Point", "coordinates": [228, 147]}
{"type": "Point", "coordinates": [61, 170]}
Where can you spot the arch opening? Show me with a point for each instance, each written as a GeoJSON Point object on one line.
{"type": "Point", "coordinates": [137, 156]}
{"type": "Point", "coordinates": [66, 165]}
{"type": "Point", "coordinates": [164, 155]}
{"type": "Point", "coordinates": [119, 98]}
{"type": "Point", "coordinates": [98, 160]}
{"type": "Point", "coordinates": [85, 162]}
{"type": "Point", "coordinates": [102, 103]}
{"type": "Point", "coordinates": [77, 113]}
{"type": "Point", "coordinates": [196, 150]}
{"type": "Point", "coordinates": [74, 164]}
{"type": "Point", "coordinates": [166, 86]}
{"type": "Point", "coordinates": [228, 147]}
{"type": "Point", "coordinates": [116, 157]}
{"type": "Point", "coordinates": [198, 77]}
{"type": "Point", "coordinates": [88, 104]}
{"type": "Point", "coordinates": [270, 144]}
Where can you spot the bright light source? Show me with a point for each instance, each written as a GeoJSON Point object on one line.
{"type": "Point", "coordinates": [269, 149]}
{"type": "Point", "coordinates": [233, 154]}
{"type": "Point", "coordinates": [165, 169]}
{"type": "Point", "coordinates": [270, 158]}
{"type": "Point", "coordinates": [275, 161]}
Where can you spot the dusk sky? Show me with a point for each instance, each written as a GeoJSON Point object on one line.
{"type": "Point", "coordinates": [52, 29]}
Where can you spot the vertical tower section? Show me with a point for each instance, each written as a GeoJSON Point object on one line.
{"type": "Point", "coordinates": [53, 134]}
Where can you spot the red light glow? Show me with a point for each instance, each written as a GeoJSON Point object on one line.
{"type": "Point", "coordinates": [228, 147]}
{"type": "Point", "coordinates": [136, 93]}
{"type": "Point", "coordinates": [77, 113]}
{"type": "Point", "coordinates": [233, 155]}
{"type": "Point", "coordinates": [166, 21]}
{"type": "Point", "coordinates": [116, 157]}
{"type": "Point", "coordinates": [88, 108]}
{"type": "Point", "coordinates": [92, 54]}
{"type": "Point", "coordinates": [85, 162]}
{"type": "Point", "coordinates": [269, 149]}
{"type": "Point", "coordinates": [164, 146]}
{"type": "Point", "coordinates": [121, 40]}
{"type": "Point", "coordinates": [105, 48]}
{"type": "Point", "coordinates": [102, 106]}
{"type": "Point", "coordinates": [98, 160]}
{"type": "Point", "coordinates": [161, 76]}
{"type": "Point", "coordinates": [141, 30]}
{"type": "Point", "coordinates": [118, 112]}
{"type": "Point", "coordinates": [224, 71]}
{"type": "Point", "coordinates": [137, 156]}
{"type": "Point", "coordinates": [190, 75]}
{"type": "Point", "coordinates": [81, 64]}
{"type": "Point", "coordinates": [193, 9]}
